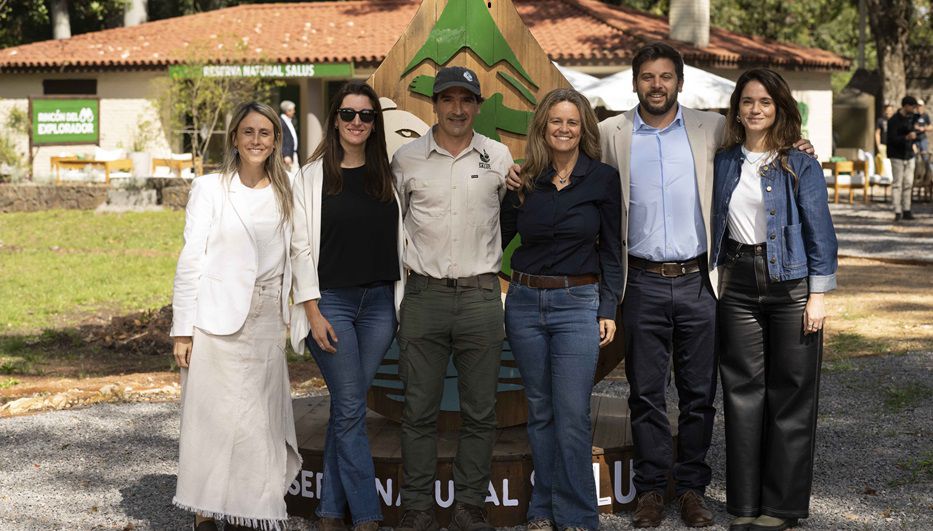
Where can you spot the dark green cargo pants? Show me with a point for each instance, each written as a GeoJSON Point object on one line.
{"type": "Point", "coordinates": [438, 321]}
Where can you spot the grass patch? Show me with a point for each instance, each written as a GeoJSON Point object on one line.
{"type": "Point", "coordinates": [9, 382]}
{"type": "Point", "coordinates": [918, 470]}
{"type": "Point", "coordinates": [897, 399]}
{"type": "Point", "coordinates": [63, 263]}
{"type": "Point", "coordinates": [842, 343]}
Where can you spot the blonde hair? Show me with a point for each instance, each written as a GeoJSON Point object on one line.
{"type": "Point", "coordinates": [274, 166]}
{"type": "Point", "coordinates": [537, 152]}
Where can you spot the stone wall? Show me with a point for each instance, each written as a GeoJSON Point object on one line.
{"type": "Point", "coordinates": [36, 197]}
{"type": "Point", "coordinates": [27, 197]}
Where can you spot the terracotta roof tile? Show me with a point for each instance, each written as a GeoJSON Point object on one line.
{"type": "Point", "coordinates": [571, 31]}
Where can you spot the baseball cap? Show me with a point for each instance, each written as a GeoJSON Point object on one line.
{"type": "Point", "coordinates": [908, 100]}
{"type": "Point", "coordinates": [456, 76]}
{"type": "Point", "coordinates": [920, 101]}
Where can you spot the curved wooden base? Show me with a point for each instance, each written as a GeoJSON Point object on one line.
{"type": "Point", "coordinates": [510, 483]}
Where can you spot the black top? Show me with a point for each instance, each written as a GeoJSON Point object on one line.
{"type": "Point", "coordinates": [573, 231]}
{"type": "Point", "coordinates": [899, 126]}
{"type": "Point", "coordinates": [359, 236]}
{"type": "Point", "coordinates": [882, 123]}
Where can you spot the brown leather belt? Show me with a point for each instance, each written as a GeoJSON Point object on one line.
{"type": "Point", "coordinates": [553, 282]}
{"type": "Point", "coordinates": [667, 269]}
{"type": "Point", "coordinates": [486, 280]}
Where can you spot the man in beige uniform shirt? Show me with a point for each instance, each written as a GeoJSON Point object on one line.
{"type": "Point", "coordinates": [450, 183]}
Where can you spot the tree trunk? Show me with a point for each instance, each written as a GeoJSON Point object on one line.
{"type": "Point", "coordinates": [890, 26]}
{"type": "Point", "coordinates": [135, 13]}
{"type": "Point", "coordinates": [61, 23]}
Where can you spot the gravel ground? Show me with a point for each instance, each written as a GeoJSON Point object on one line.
{"type": "Point", "coordinates": [112, 466]}
{"type": "Point", "coordinates": [869, 231]}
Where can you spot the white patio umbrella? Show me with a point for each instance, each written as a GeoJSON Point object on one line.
{"type": "Point", "coordinates": [578, 80]}
{"type": "Point", "coordinates": [702, 90]}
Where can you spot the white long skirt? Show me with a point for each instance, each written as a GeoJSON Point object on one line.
{"type": "Point", "coordinates": [237, 451]}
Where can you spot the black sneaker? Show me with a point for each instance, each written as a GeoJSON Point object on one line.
{"type": "Point", "coordinates": [417, 521]}
{"type": "Point", "coordinates": [908, 215]}
{"type": "Point", "coordinates": [468, 518]}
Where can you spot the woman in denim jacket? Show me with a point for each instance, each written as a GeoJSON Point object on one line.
{"type": "Point", "coordinates": [775, 242]}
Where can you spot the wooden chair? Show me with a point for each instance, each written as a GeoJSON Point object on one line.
{"type": "Point", "coordinates": [844, 176]}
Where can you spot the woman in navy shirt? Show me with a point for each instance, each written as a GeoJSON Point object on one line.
{"type": "Point", "coordinates": [774, 239]}
{"type": "Point", "coordinates": [561, 304]}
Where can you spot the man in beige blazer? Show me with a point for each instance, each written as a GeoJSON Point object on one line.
{"type": "Point", "coordinates": [664, 153]}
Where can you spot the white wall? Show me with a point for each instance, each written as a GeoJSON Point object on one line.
{"type": "Point", "coordinates": [126, 99]}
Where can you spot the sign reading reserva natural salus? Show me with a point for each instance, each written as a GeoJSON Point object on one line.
{"type": "Point", "coordinates": [65, 121]}
{"type": "Point", "coordinates": [277, 71]}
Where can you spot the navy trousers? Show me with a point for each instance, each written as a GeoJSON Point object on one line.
{"type": "Point", "coordinates": [665, 320]}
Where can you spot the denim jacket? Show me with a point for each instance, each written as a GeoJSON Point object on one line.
{"type": "Point", "coordinates": [801, 239]}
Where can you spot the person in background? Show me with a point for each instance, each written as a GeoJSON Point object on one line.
{"type": "Point", "coordinates": [901, 137]}
{"type": "Point", "coordinates": [923, 126]}
{"type": "Point", "coordinates": [345, 256]}
{"type": "Point", "coordinates": [881, 130]}
{"type": "Point", "coordinates": [774, 242]}
{"type": "Point", "coordinates": [562, 299]}
{"type": "Point", "coordinates": [289, 136]}
{"type": "Point", "coordinates": [237, 448]}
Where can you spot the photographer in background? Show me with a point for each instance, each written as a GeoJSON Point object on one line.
{"type": "Point", "coordinates": [901, 138]}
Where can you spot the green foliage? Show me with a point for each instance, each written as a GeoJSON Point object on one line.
{"type": "Point", "coordinates": [144, 134]}
{"type": "Point", "coordinates": [59, 263]}
{"type": "Point", "coordinates": [17, 123]}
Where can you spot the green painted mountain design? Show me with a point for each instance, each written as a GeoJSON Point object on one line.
{"type": "Point", "coordinates": [467, 24]}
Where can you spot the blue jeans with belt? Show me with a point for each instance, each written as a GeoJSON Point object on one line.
{"type": "Point", "coordinates": [364, 320]}
{"type": "Point", "coordinates": [554, 336]}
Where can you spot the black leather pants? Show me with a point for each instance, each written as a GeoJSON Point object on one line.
{"type": "Point", "coordinates": [770, 379]}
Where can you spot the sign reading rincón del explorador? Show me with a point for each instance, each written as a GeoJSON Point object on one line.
{"type": "Point", "coordinates": [64, 120]}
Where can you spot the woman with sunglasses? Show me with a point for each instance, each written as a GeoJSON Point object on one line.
{"type": "Point", "coordinates": [345, 256]}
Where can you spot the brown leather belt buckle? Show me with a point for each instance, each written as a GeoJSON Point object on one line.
{"type": "Point", "coordinates": [673, 270]}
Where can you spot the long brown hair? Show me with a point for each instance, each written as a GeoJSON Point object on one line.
{"type": "Point", "coordinates": [785, 130]}
{"type": "Point", "coordinates": [274, 166]}
{"type": "Point", "coordinates": [537, 152]}
{"type": "Point", "coordinates": [379, 181]}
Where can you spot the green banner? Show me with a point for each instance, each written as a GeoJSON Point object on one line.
{"type": "Point", "coordinates": [65, 121]}
{"type": "Point", "coordinates": [264, 70]}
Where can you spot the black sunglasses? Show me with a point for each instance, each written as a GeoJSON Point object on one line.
{"type": "Point", "coordinates": [367, 116]}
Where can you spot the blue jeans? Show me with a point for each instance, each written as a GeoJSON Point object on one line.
{"type": "Point", "coordinates": [364, 321]}
{"type": "Point", "coordinates": [554, 336]}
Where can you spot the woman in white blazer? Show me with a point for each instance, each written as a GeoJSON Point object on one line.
{"type": "Point", "coordinates": [237, 449]}
{"type": "Point", "coordinates": [345, 253]}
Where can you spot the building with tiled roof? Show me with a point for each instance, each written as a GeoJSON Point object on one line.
{"type": "Point", "coordinates": [586, 33]}
{"type": "Point", "coordinates": [350, 39]}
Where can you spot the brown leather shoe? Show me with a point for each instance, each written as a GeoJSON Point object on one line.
{"type": "Point", "coordinates": [693, 510]}
{"type": "Point", "coordinates": [649, 509]}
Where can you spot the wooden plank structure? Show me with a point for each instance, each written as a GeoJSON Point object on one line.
{"type": "Point", "coordinates": [510, 482]}
{"type": "Point", "coordinates": [490, 38]}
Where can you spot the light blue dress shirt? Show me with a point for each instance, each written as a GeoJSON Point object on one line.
{"type": "Point", "coordinates": [665, 223]}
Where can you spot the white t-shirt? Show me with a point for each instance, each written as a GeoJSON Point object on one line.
{"type": "Point", "coordinates": [267, 227]}
{"type": "Point", "coordinates": [748, 221]}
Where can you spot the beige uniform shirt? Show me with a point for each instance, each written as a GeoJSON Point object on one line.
{"type": "Point", "coordinates": [450, 206]}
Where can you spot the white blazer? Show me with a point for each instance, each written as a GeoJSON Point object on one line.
{"type": "Point", "coordinates": [307, 191]}
{"type": "Point", "coordinates": [219, 262]}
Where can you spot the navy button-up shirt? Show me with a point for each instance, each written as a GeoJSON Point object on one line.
{"type": "Point", "coordinates": [572, 231]}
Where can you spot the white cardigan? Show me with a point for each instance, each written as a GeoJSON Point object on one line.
{"type": "Point", "coordinates": [219, 262]}
{"type": "Point", "coordinates": [306, 248]}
